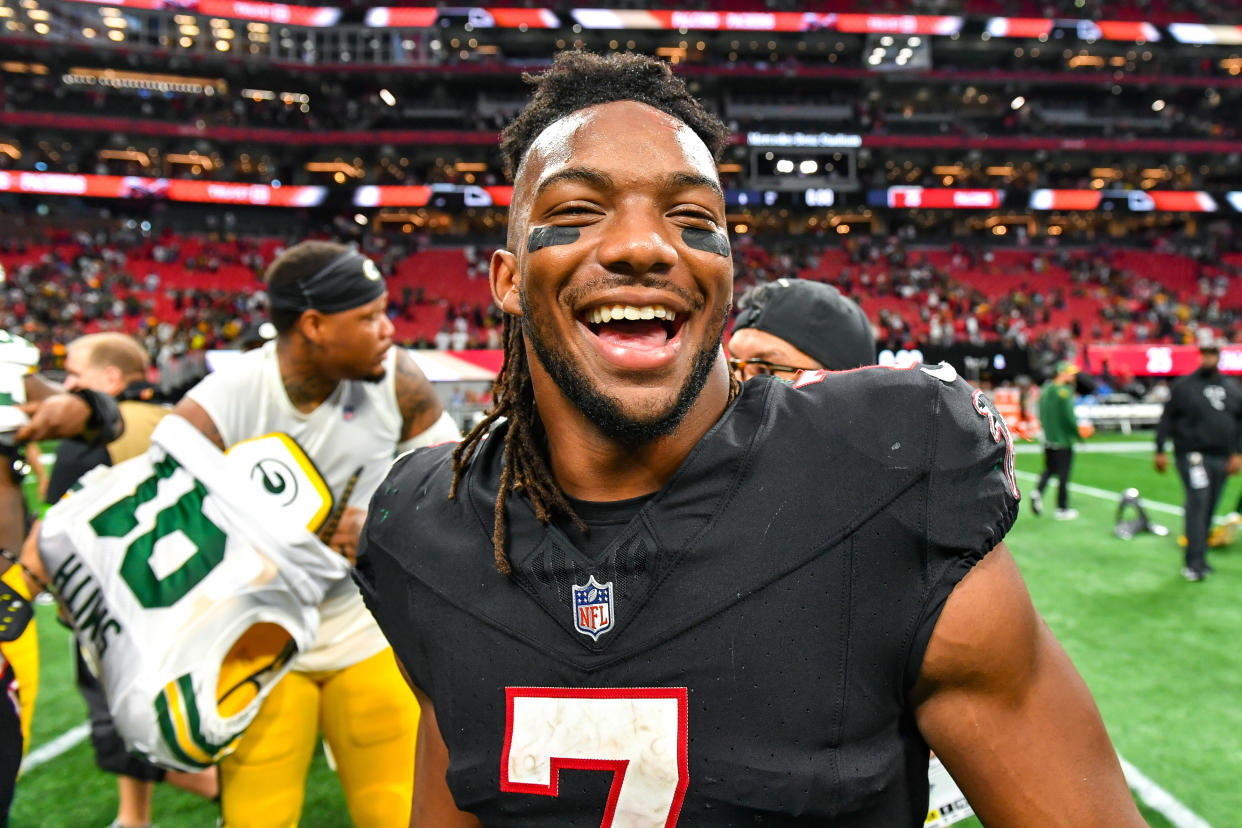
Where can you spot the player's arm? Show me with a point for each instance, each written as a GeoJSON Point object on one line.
{"type": "Point", "coordinates": [421, 409]}
{"type": "Point", "coordinates": [433, 805]}
{"type": "Point", "coordinates": [200, 419]}
{"type": "Point", "coordinates": [33, 572]}
{"type": "Point", "coordinates": [12, 511]}
{"type": "Point", "coordinates": [39, 387]}
{"type": "Point", "coordinates": [1002, 705]}
{"type": "Point", "coordinates": [91, 416]}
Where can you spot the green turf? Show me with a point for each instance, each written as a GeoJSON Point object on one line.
{"type": "Point", "coordinates": [1159, 654]}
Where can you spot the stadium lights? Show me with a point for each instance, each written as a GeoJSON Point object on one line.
{"type": "Point", "coordinates": [191, 159]}
{"type": "Point", "coordinates": [126, 155]}
{"type": "Point", "coordinates": [784, 166]}
{"type": "Point", "coordinates": [808, 167]}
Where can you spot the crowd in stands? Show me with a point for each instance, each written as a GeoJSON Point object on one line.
{"type": "Point", "coordinates": [185, 295]}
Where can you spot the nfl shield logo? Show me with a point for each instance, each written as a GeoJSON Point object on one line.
{"type": "Point", "coordinates": [593, 608]}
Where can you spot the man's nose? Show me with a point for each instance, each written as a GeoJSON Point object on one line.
{"type": "Point", "coordinates": [635, 242]}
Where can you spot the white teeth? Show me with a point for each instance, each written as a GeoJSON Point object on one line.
{"type": "Point", "coordinates": [608, 313]}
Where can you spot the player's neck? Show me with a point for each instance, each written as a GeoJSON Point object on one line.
{"type": "Point", "coordinates": [589, 465]}
{"type": "Point", "coordinates": [304, 382]}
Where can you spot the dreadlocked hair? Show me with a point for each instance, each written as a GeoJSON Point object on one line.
{"type": "Point", "coordinates": [525, 468]}
{"type": "Point", "coordinates": [577, 80]}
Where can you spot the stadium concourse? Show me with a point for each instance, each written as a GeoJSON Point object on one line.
{"type": "Point", "coordinates": [1000, 185]}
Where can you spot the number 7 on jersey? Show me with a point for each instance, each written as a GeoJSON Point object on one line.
{"type": "Point", "coordinates": [638, 734]}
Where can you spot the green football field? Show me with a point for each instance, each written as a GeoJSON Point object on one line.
{"type": "Point", "coordinates": [1160, 655]}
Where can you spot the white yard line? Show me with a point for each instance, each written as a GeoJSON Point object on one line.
{"type": "Point", "coordinates": [48, 751]}
{"type": "Point", "coordinates": [1113, 447]}
{"type": "Point", "coordinates": [1105, 494]}
{"type": "Point", "coordinates": [1160, 800]}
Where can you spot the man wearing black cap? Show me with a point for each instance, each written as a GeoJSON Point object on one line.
{"type": "Point", "coordinates": [794, 324]}
{"type": "Point", "coordinates": [332, 382]}
{"type": "Point", "coordinates": [1204, 418]}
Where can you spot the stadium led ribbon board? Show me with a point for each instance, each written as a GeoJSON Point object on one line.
{"type": "Point", "coordinates": [309, 16]}
{"type": "Point", "coordinates": [757, 21]}
{"type": "Point", "coordinates": [1134, 201]}
{"type": "Point", "coordinates": [160, 189]}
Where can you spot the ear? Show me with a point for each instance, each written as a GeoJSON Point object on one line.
{"type": "Point", "coordinates": [114, 376]}
{"type": "Point", "coordinates": [311, 325]}
{"type": "Point", "coordinates": [506, 282]}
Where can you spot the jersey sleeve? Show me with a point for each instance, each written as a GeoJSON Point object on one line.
{"type": "Point", "coordinates": [973, 496]}
{"type": "Point", "coordinates": [972, 501]}
{"type": "Point", "coordinates": [217, 394]}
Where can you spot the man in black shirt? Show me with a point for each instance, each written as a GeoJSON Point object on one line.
{"type": "Point", "coordinates": [1204, 418]}
{"type": "Point", "coordinates": [643, 594]}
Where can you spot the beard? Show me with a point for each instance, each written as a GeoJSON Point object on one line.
{"type": "Point", "coordinates": [602, 409]}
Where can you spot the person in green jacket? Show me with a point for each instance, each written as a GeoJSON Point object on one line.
{"type": "Point", "coordinates": [1060, 427]}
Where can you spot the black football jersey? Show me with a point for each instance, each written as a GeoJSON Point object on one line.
{"type": "Point", "coordinates": [742, 653]}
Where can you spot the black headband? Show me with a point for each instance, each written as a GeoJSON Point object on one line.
{"type": "Point", "coordinates": [349, 280]}
{"type": "Point", "coordinates": [815, 318]}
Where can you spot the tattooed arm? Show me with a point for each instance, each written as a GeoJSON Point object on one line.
{"type": "Point", "coordinates": [420, 407]}
{"type": "Point", "coordinates": [201, 420]}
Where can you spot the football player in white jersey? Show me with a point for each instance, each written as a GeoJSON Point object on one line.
{"type": "Point", "coordinates": [333, 383]}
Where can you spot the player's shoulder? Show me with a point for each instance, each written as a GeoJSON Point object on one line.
{"type": "Point", "coordinates": [417, 470]}
{"type": "Point", "coordinates": [882, 392]}
{"type": "Point", "coordinates": [927, 405]}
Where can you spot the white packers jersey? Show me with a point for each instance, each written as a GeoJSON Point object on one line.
{"type": "Point", "coordinates": [189, 589]}
{"type": "Point", "coordinates": [354, 431]}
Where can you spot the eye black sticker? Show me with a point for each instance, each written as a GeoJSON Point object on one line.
{"type": "Point", "coordinates": [708, 241]}
{"type": "Point", "coordinates": [541, 237]}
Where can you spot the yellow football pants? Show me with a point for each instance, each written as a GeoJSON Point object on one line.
{"type": "Point", "coordinates": [369, 719]}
